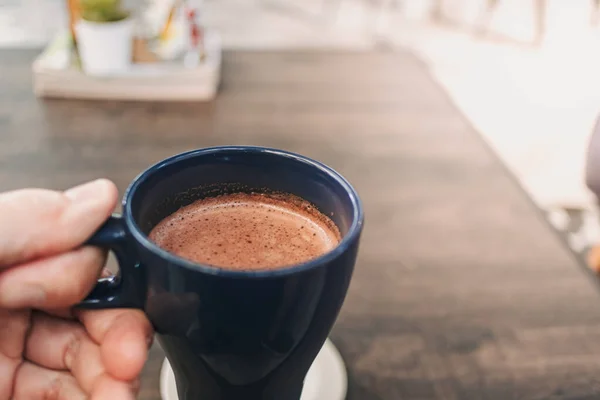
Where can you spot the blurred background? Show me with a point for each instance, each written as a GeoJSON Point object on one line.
{"type": "Point", "coordinates": [524, 73]}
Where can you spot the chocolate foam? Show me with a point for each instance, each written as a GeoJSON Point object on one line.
{"type": "Point", "coordinates": [248, 231]}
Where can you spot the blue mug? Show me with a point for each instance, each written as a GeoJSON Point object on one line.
{"type": "Point", "coordinates": [231, 335]}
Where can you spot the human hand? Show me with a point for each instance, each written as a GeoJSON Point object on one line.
{"type": "Point", "coordinates": [48, 350]}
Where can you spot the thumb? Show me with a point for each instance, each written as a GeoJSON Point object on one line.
{"type": "Point", "coordinates": [37, 223]}
{"type": "Point", "coordinates": [42, 263]}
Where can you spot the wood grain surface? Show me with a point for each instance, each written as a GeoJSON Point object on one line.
{"type": "Point", "coordinates": [462, 291]}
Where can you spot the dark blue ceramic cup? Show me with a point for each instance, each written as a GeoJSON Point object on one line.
{"type": "Point", "coordinates": [231, 335]}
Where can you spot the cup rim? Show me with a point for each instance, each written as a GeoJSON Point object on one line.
{"type": "Point", "coordinates": [347, 240]}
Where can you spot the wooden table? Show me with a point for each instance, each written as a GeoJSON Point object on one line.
{"type": "Point", "coordinates": [462, 290]}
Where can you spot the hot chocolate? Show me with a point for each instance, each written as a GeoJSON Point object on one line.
{"type": "Point", "coordinates": [248, 231]}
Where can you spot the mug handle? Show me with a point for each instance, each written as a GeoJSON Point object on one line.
{"type": "Point", "coordinates": [123, 290]}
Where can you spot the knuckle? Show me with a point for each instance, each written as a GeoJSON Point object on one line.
{"type": "Point", "coordinates": [72, 349]}
{"type": "Point", "coordinates": [54, 389]}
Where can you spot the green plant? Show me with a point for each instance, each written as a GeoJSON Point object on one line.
{"type": "Point", "coordinates": [103, 10]}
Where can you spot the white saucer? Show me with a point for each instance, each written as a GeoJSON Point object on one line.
{"type": "Point", "coordinates": [326, 378]}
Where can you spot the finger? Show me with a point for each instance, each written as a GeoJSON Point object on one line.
{"type": "Point", "coordinates": [34, 382]}
{"type": "Point", "coordinates": [38, 223]}
{"type": "Point", "coordinates": [53, 342]}
{"type": "Point", "coordinates": [14, 325]}
{"type": "Point", "coordinates": [64, 313]}
{"type": "Point", "coordinates": [54, 282]}
{"type": "Point", "coordinates": [111, 389]}
{"type": "Point", "coordinates": [124, 337]}
{"type": "Point", "coordinates": [13, 329]}
{"type": "Point", "coordinates": [8, 368]}
{"type": "Point", "coordinates": [64, 345]}
{"type": "Point", "coordinates": [67, 313]}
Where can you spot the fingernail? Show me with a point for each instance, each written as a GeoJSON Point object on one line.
{"type": "Point", "coordinates": [25, 295]}
{"type": "Point", "coordinates": [86, 191]}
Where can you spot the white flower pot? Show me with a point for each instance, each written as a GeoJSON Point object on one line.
{"type": "Point", "coordinates": [105, 48]}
